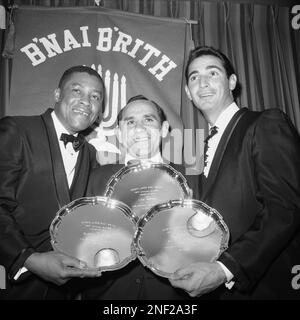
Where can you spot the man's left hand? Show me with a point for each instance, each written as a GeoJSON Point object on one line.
{"type": "Point", "coordinates": [199, 278]}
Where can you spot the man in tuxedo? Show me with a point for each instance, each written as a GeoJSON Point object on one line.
{"type": "Point", "coordinates": [252, 177]}
{"type": "Point", "coordinates": [141, 126]}
{"type": "Point", "coordinates": [44, 164]}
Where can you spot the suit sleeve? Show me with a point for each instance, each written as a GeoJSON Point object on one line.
{"type": "Point", "coordinates": [191, 179]}
{"type": "Point", "coordinates": [99, 178]}
{"type": "Point", "coordinates": [275, 156]}
{"type": "Point", "coordinates": [14, 248]}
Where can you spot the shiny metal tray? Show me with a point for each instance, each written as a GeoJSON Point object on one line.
{"type": "Point", "coordinates": [146, 184]}
{"type": "Point", "coordinates": [96, 230]}
{"type": "Point", "coordinates": [177, 233]}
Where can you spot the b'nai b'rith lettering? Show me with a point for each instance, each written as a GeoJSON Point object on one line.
{"type": "Point", "coordinates": [157, 63]}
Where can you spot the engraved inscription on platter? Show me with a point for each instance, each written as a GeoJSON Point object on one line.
{"type": "Point", "coordinates": [96, 230]}
{"type": "Point", "coordinates": [141, 186]}
{"type": "Point", "coordinates": [146, 213]}
{"type": "Point", "coordinates": [178, 233]}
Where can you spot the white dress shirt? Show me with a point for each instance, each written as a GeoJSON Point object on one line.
{"type": "Point", "coordinates": [156, 158]}
{"type": "Point", "coordinates": [212, 144]}
{"type": "Point", "coordinates": [69, 155]}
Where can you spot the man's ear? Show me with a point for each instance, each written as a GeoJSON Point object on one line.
{"type": "Point", "coordinates": [187, 91]}
{"type": "Point", "coordinates": [57, 95]}
{"type": "Point", "coordinates": [164, 129]}
{"type": "Point", "coordinates": [232, 82]}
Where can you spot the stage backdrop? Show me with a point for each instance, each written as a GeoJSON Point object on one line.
{"type": "Point", "coordinates": [135, 54]}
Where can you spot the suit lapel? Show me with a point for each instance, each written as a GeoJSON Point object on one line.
{"type": "Point", "coordinates": [208, 182]}
{"type": "Point", "coordinates": [81, 175]}
{"type": "Point", "coordinates": [59, 175]}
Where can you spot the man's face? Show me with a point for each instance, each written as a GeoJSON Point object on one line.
{"type": "Point", "coordinates": [208, 86]}
{"type": "Point", "coordinates": [79, 102]}
{"type": "Point", "coordinates": [140, 130]}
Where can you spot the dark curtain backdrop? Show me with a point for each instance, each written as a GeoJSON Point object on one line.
{"type": "Point", "coordinates": [256, 35]}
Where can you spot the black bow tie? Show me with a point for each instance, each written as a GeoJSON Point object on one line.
{"type": "Point", "coordinates": [77, 142]}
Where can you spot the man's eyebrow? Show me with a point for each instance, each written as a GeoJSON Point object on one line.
{"type": "Point", "coordinates": [98, 91]}
{"type": "Point", "coordinates": [74, 84]}
{"type": "Point", "coordinates": [212, 66]}
{"type": "Point", "coordinates": [193, 72]}
{"type": "Point", "coordinates": [152, 115]}
{"type": "Point", "coordinates": [127, 118]}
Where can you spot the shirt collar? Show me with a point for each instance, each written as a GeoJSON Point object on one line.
{"type": "Point", "coordinates": [225, 117]}
{"type": "Point", "coordinates": [59, 128]}
{"type": "Point", "coordinates": [157, 158]}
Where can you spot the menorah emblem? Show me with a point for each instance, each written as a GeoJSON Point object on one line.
{"type": "Point", "coordinates": [115, 86]}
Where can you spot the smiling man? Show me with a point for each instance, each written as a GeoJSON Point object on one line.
{"type": "Point", "coordinates": [78, 99]}
{"type": "Point", "coordinates": [142, 124]}
{"type": "Point", "coordinates": [252, 177]}
{"type": "Point", "coordinates": [44, 164]}
{"type": "Point", "coordinates": [210, 86]}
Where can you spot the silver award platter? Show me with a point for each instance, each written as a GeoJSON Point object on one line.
{"type": "Point", "coordinates": [177, 233]}
{"type": "Point", "coordinates": [146, 184]}
{"type": "Point", "coordinates": [96, 230]}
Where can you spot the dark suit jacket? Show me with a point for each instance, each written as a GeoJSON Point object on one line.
{"type": "Point", "coordinates": [33, 187]}
{"type": "Point", "coordinates": [254, 182]}
{"type": "Point", "coordinates": [133, 282]}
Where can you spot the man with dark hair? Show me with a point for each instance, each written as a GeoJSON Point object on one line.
{"type": "Point", "coordinates": [159, 110]}
{"type": "Point", "coordinates": [252, 177]}
{"type": "Point", "coordinates": [142, 125]}
{"type": "Point", "coordinates": [69, 72]}
{"type": "Point", "coordinates": [44, 164]}
{"type": "Point", "coordinates": [227, 65]}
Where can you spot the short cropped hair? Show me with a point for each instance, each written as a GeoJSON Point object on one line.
{"type": "Point", "coordinates": [209, 51]}
{"type": "Point", "coordinates": [80, 69]}
{"type": "Point", "coordinates": [160, 111]}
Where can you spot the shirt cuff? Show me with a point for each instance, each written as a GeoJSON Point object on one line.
{"type": "Point", "coordinates": [18, 274]}
{"type": "Point", "coordinates": [229, 276]}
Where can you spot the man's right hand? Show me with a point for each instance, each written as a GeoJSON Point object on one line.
{"type": "Point", "coordinates": [57, 267]}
